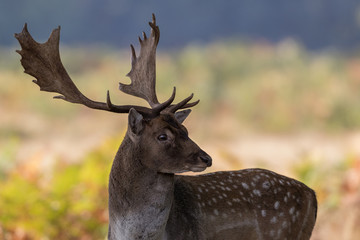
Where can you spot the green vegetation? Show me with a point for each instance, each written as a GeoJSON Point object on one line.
{"type": "Point", "coordinates": [69, 201]}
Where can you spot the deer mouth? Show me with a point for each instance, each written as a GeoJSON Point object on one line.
{"type": "Point", "coordinates": [198, 168]}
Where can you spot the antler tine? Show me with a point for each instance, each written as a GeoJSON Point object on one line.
{"type": "Point", "coordinates": [143, 69]}
{"type": "Point", "coordinates": [165, 104]}
{"type": "Point", "coordinates": [155, 31]}
{"type": "Point", "coordinates": [183, 104]}
{"type": "Point", "coordinates": [42, 61]}
{"type": "Point", "coordinates": [133, 57]}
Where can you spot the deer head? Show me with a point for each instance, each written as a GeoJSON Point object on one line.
{"type": "Point", "coordinates": [163, 143]}
{"type": "Point", "coordinates": [157, 131]}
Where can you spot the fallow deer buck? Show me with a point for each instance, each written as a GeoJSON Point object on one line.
{"type": "Point", "coordinates": [147, 200]}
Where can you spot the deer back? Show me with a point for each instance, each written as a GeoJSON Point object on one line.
{"type": "Point", "coordinates": [245, 204]}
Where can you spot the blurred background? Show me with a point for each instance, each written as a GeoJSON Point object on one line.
{"type": "Point", "coordinates": [279, 83]}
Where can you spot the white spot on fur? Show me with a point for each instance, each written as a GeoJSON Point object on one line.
{"type": "Point", "coordinates": [284, 224]}
{"type": "Point", "coordinates": [266, 185]}
{"type": "Point", "coordinates": [257, 192]}
{"type": "Point", "coordinates": [263, 213]}
{"type": "Point", "coordinates": [292, 210]}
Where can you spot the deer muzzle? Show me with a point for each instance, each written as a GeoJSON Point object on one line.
{"type": "Point", "coordinates": [205, 158]}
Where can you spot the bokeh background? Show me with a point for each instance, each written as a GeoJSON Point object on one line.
{"type": "Point", "coordinates": [279, 83]}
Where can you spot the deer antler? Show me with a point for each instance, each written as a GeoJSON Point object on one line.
{"type": "Point", "coordinates": [42, 61]}
{"type": "Point", "coordinates": [143, 70]}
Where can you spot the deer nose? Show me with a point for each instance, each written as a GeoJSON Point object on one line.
{"type": "Point", "coordinates": [206, 159]}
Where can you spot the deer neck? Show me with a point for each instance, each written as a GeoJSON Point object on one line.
{"type": "Point", "coordinates": [140, 199]}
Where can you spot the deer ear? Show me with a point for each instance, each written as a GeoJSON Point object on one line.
{"type": "Point", "coordinates": [136, 124]}
{"type": "Point", "coordinates": [182, 115]}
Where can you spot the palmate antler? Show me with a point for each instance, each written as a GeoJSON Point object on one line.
{"type": "Point", "coordinates": [42, 61]}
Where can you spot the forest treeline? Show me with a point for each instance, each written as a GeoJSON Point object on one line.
{"type": "Point", "coordinates": [314, 24]}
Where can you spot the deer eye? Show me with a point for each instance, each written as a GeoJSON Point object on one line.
{"type": "Point", "coordinates": [162, 137]}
